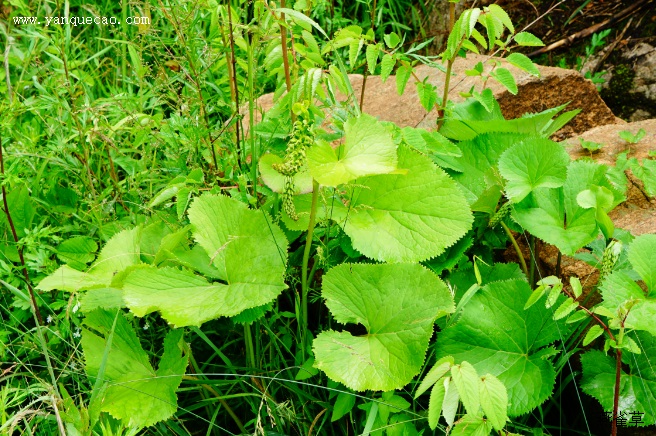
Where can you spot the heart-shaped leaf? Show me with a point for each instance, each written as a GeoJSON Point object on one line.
{"type": "Point", "coordinates": [276, 181]}
{"type": "Point", "coordinates": [368, 149]}
{"type": "Point", "coordinates": [248, 250]}
{"type": "Point", "coordinates": [405, 217]}
{"type": "Point", "coordinates": [531, 164]}
{"type": "Point", "coordinates": [397, 304]}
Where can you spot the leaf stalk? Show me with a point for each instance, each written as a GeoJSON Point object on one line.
{"type": "Point", "coordinates": [306, 258]}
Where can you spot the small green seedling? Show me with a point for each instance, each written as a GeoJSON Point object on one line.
{"type": "Point", "coordinates": [591, 146]}
{"type": "Point", "coordinates": [631, 138]}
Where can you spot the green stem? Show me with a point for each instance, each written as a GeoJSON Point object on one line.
{"type": "Point", "coordinates": [449, 67]}
{"type": "Point", "coordinates": [531, 272]}
{"type": "Point", "coordinates": [251, 118]}
{"type": "Point", "coordinates": [306, 258]}
{"type": "Point", "coordinates": [516, 246]}
{"type": "Point", "coordinates": [124, 49]}
{"type": "Point", "coordinates": [233, 59]}
{"type": "Point", "coordinates": [248, 339]}
{"type": "Point", "coordinates": [196, 370]}
{"type": "Point", "coordinates": [283, 40]}
{"type": "Point", "coordinates": [445, 93]}
{"type": "Point", "coordinates": [315, 266]}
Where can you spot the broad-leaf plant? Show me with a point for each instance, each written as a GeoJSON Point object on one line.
{"type": "Point", "coordinates": [391, 233]}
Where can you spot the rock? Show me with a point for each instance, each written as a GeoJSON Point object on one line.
{"type": "Point", "coordinates": [608, 135]}
{"type": "Point", "coordinates": [556, 86]}
{"type": "Point", "coordinates": [643, 57]}
{"type": "Point", "coordinates": [637, 214]}
{"type": "Point", "coordinates": [631, 83]}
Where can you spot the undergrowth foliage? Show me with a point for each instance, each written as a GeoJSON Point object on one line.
{"type": "Point", "coordinates": [173, 261]}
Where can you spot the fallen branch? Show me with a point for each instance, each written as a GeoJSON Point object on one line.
{"type": "Point", "coordinates": [592, 29]}
{"type": "Point", "coordinates": [606, 52]}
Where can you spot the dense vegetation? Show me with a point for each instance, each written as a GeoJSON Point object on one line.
{"type": "Point", "coordinates": [173, 261]}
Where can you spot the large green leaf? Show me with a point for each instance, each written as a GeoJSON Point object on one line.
{"type": "Point", "coordinates": [248, 250]}
{"type": "Point", "coordinates": [184, 298]}
{"type": "Point", "coordinates": [397, 304]}
{"type": "Point", "coordinates": [472, 425]}
{"type": "Point", "coordinates": [368, 149]}
{"type": "Point", "coordinates": [136, 393]}
{"type": "Point", "coordinates": [405, 218]}
{"type": "Point", "coordinates": [555, 216]}
{"type": "Point", "coordinates": [464, 121]}
{"type": "Point", "coordinates": [619, 288]}
{"type": "Point", "coordinates": [120, 252]}
{"type": "Point", "coordinates": [637, 387]}
{"type": "Point", "coordinates": [21, 207]}
{"type": "Point", "coordinates": [241, 242]}
{"type": "Point", "coordinates": [77, 251]}
{"type": "Point", "coordinates": [531, 164]}
{"type": "Point", "coordinates": [276, 181]}
{"type": "Point", "coordinates": [497, 336]}
{"type": "Point", "coordinates": [480, 157]}
{"type": "Point", "coordinates": [642, 255]}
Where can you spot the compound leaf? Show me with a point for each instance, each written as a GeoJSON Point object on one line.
{"type": "Point", "coordinates": [637, 387]}
{"type": "Point", "coordinates": [494, 401]}
{"type": "Point", "coordinates": [497, 336]}
{"type": "Point", "coordinates": [120, 252]}
{"type": "Point", "coordinates": [397, 304]}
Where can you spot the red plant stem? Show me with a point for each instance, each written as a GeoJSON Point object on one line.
{"type": "Point", "coordinates": [283, 39]}
{"type": "Point", "coordinates": [372, 15]}
{"type": "Point", "coordinates": [19, 248]}
{"type": "Point", "coordinates": [233, 61]}
{"type": "Point", "coordinates": [591, 314]}
{"type": "Point", "coordinates": [616, 394]}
